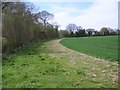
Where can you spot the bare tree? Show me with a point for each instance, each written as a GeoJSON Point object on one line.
{"type": "Point", "coordinates": [80, 31]}
{"type": "Point", "coordinates": [71, 28]}
{"type": "Point", "coordinates": [56, 26]}
{"type": "Point", "coordinates": [90, 31]}
{"type": "Point", "coordinates": [45, 16]}
{"type": "Point", "coordinates": [79, 28]}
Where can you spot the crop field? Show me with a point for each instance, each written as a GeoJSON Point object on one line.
{"type": "Point", "coordinates": [105, 47]}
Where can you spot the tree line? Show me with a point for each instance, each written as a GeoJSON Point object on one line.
{"type": "Point", "coordinates": [77, 31]}
{"type": "Point", "coordinates": [21, 25]}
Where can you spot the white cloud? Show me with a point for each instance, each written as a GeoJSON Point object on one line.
{"type": "Point", "coordinates": [100, 14]}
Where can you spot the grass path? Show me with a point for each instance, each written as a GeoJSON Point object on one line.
{"type": "Point", "coordinates": [54, 65]}
{"type": "Point", "coordinates": [98, 69]}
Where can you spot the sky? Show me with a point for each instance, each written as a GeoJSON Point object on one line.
{"type": "Point", "coordinates": [87, 14]}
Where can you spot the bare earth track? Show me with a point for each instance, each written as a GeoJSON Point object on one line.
{"type": "Point", "coordinates": [97, 69]}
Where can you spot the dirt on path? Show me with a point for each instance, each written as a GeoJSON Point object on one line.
{"type": "Point", "coordinates": [98, 69]}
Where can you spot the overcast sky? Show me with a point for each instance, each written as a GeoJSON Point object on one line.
{"type": "Point", "coordinates": [88, 14]}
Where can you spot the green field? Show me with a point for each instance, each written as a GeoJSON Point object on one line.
{"type": "Point", "coordinates": [101, 46]}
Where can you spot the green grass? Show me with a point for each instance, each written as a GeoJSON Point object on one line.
{"type": "Point", "coordinates": [32, 67]}
{"type": "Point", "coordinates": [102, 46]}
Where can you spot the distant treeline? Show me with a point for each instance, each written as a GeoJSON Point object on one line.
{"type": "Point", "coordinates": [21, 25]}
{"type": "Point", "coordinates": [77, 31]}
